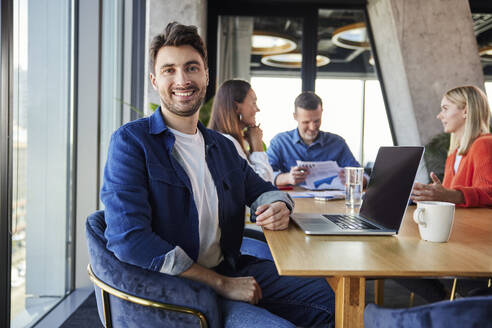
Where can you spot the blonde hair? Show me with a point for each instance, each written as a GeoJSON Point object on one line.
{"type": "Point", "coordinates": [477, 116]}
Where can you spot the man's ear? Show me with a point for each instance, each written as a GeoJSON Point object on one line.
{"type": "Point", "coordinates": [152, 80]}
{"type": "Point", "coordinates": [295, 116]}
{"type": "Point", "coordinates": [206, 73]}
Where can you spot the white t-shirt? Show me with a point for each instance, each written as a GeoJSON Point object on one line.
{"type": "Point", "coordinates": [191, 149]}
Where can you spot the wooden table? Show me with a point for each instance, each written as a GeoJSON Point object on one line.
{"type": "Point", "coordinates": [346, 262]}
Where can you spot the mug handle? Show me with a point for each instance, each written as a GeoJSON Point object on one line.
{"type": "Point", "coordinates": [418, 216]}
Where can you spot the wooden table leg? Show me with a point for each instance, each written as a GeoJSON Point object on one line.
{"type": "Point", "coordinates": [379, 292]}
{"type": "Point", "coordinates": [350, 295]}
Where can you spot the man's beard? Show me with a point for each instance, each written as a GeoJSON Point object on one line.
{"type": "Point", "coordinates": [191, 108]}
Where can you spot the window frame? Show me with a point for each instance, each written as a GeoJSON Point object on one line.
{"type": "Point", "coordinates": [6, 28]}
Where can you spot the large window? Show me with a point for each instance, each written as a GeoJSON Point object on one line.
{"type": "Point", "coordinates": [111, 107]}
{"type": "Point", "coordinates": [42, 158]}
{"type": "Point", "coordinates": [272, 52]}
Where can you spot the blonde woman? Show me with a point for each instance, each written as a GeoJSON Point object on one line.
{"type": "Point", "coordinates": [234, 115]}
{"type": "Point", "coordinates": [465, 114]}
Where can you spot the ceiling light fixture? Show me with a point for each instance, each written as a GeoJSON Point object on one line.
{"type": "Point", "coordinates": [266, 43]}
{"type": "Point", "coordinates": [486, 53]}
{"type": "Point", "coordinates": [291, 60]}
{"type": "Point", "coordinates": [353, 36]}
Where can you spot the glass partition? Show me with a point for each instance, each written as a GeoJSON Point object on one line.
{"type": "Point", "coordinates": [265, 51]}
{"type": "Point", "coordinates": [347, 82]}
{"type": "Point", "coordinates": [42, 158]}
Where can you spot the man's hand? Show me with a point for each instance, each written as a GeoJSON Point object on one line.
{"type": "Point", "coordinates": [295, 176]}
{"type": "Point", "coordinates": [244, 289]}
{"type": "Point", "coordinates": [274, 216]}
{"type": "Point", "coordinates": [435, 191]}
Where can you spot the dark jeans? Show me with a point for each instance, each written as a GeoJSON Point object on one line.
{"type": "Point", "coordinates": [306, 302]}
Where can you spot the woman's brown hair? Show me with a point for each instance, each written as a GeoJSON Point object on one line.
{"type": "Point", "coordinates": [224, 116]}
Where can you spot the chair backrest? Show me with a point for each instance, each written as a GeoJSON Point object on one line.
{"type": "Point", "coordinates": [153, 286]}
{"type": "Point", "coordinates": [464, 312]}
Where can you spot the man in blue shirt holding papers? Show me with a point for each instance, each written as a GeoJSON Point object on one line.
{"type": "Point", "coordinates": [306, 143]}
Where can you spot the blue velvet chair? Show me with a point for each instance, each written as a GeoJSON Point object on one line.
{"type": "Point", "coordinates": [129, 296]}
{"type": "Point", "coordinates": [463, 312]}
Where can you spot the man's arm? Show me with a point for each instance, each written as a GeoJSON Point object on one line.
{"type": "Point", "coordinates": [127, 209]}
{"type": "Point", "coordinates": [244, 289]}
{"type": "Point", "coordinates": [347, 159]}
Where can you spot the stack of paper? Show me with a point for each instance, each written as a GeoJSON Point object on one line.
{"type": "Point", "coordinates": [322, 175]}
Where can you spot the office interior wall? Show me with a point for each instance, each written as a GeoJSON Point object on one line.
{"type": "Point", "coordinates": [424, 48]}
{"type": "Point", "coordinates": [159, 14]}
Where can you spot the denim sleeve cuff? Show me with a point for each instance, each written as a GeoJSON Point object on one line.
{"type": "Point", "coordinates": [271, 197]}
{"type": "Point", "coordinates": [176, 262]}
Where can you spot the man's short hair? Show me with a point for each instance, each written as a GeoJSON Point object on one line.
{"type": "Point", "coordinates": [176, 35]}
{"type": "Point", "coordinates": [307, 100]}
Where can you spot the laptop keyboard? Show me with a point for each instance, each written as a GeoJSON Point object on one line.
{"type": "Point", "coordinates": [350, 222]}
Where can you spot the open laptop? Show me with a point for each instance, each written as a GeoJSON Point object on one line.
{"type": "Point", "coordinates": [385, 201]}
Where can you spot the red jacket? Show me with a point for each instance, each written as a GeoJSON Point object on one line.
{"type": "Point", "coordinates": [474, 175]}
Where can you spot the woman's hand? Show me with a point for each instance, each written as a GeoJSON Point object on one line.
{"type": "Point", "coordinates": [254, 137]}
{"type": "Point", "coordinates": [435, 191]}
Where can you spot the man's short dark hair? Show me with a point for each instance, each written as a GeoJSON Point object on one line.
{"type": "Point", "coordinates": [307, 100]}
{"type": "Point", "coordinates": [176, 35]}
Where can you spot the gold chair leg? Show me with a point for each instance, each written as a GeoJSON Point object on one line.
{"type": "Point", "coordinates": [412, 299]}
{"type": "Point", "coordinates": [490, 283]}
{"type": "Point", "coordinates": [106, 309]}
{"type": "Point", "coordinates": [453, 290]}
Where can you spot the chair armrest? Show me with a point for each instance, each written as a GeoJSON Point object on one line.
{"type": "Point", "coordinates": [161, 288]}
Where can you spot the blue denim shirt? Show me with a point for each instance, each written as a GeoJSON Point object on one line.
{"type": "Point", "coordinates": [287, 147]}
{"type": "Point", "coordinates": [149, 207]}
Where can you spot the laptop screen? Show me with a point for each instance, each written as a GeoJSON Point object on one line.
{"type": "Point", "coordinates": [390, 185]}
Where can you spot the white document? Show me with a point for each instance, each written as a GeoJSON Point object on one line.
{"type": "Point", "coordinates": [322, 175]}
{"type": "Point", "coordinates": [327, 194]}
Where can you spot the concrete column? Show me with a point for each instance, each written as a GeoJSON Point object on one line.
{"type": "Point", "coordinates": [159, 14]}
{"type": "Point", "coordinates": [424, 48]}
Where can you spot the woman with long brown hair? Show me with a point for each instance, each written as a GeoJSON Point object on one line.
{"type": "Point", "coordinates": [234, 115]}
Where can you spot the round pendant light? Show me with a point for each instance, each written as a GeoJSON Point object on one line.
{"type": "Point", "coordinates": [291, 60]}
{"type": "Point", "coordinates": [486, 53]}
{"type": "Point", "coordinates": [266, 43]}
{"type": "Point", "coordinates": [353, 36]}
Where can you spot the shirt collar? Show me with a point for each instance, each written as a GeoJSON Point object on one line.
{"type": "Point", "coordinates": [157, 126]}
{"type": "Point", "coordinates": [296, 138]}
{"type": "Point", "coordinates": [156, 122]}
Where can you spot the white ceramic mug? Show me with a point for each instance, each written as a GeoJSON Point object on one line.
{"type": "Point", "coordinates": [435, 220]}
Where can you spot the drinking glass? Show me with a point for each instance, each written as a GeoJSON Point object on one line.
{"type": "Point", "coordinates": [353, 186]}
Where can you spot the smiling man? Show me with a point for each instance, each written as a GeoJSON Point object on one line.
{"type": "Point", "coordinates": [174, 195]}
{"type": "Point", "coordinates": [306, 143]}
